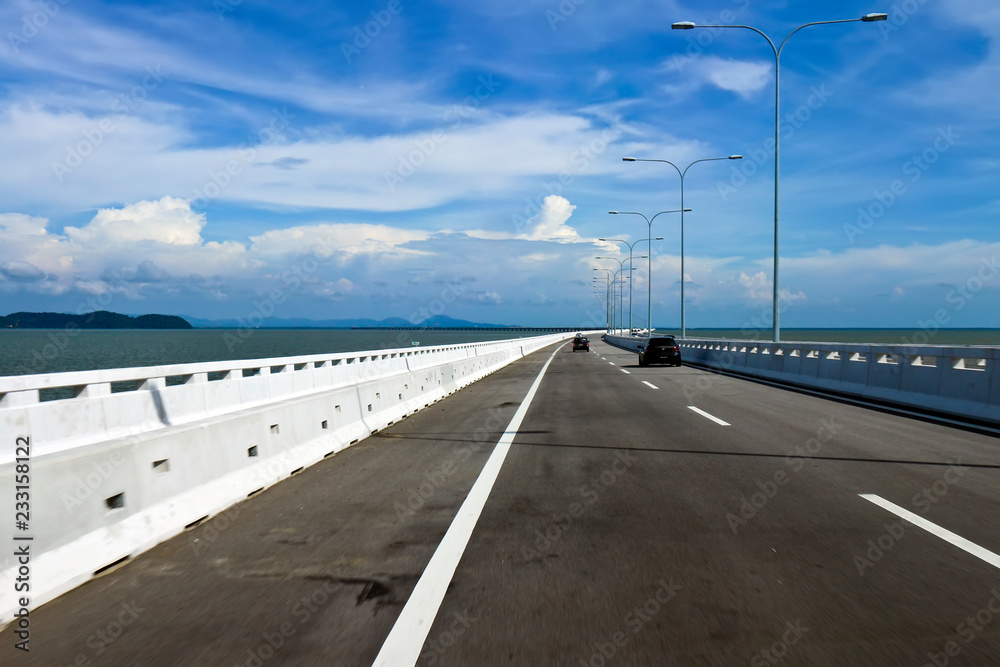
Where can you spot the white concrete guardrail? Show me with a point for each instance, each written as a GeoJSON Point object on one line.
{"type": "Point", "coordinates": [956, 381]}
{"type": "Point", "coordinates": [108, 463]}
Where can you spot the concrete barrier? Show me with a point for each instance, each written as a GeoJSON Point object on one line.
{"type": "Point", "coordinates": [624, 342]}
{"type": "Point", "coordinates": [960, 382]}
{"type": "Point", "coordinates": [122, 459]}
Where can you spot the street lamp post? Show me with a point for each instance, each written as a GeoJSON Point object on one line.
{"type": "Point", "coordinates": [649, 263]}
{"type": "Point", "coordinates": [607, 305]}
{"type": "Point", "coordinates": [618, 281]}
{"type": "Point", "coordinates": [599, 299]}
{"type": "Point", "coordinates": [682, 174]}
{"type": "Point", "coordinates": [610, 299]}
{"type": "Point", "coordinates": [688, 25]}
{"type": "Point", "coordinates": [630, 267]}
{"type": "Point", "coordinates": [621, 321]}
{"type": "Point", "coordinates": [613, 282]}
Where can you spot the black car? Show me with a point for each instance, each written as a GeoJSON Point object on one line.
{"type": "Point", "coordinates": [581, 343]}
{"type": "Point", "coordinates": [659, 350]}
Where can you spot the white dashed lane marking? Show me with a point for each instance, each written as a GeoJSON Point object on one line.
{"type": "Point", "coordinates": [708, 416]}
{"type": "Point", "coordinates": [946, 535]}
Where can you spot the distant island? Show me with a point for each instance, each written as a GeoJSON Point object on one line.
{"type": "Point", "coordinates": [101, 319]}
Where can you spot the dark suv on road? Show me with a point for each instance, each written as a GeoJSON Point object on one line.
{"type": "Point", "coordinates": [660, 350]}
{"type": "Point", "coordinates": [581, 343]}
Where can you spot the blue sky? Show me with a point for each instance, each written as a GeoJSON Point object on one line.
{"type": "Point", "coordinates": [376, 159]}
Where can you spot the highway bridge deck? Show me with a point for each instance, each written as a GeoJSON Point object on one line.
{"type": "Point", "coordinates": [642, 516]}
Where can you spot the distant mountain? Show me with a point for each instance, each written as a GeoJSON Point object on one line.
{"type": "Point", "coordinates": [101, 319]}
{"type": "Point", "coordinates": [435, 322]}
{"type": "Point", "coordinates": [296, 323]}
{"type": "Point", "coordinates": [443, 321]}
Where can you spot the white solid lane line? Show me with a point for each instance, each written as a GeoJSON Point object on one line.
{"type": "Point", "coordinates": [708, 416]}
{"type": "Point", "coordinates": [624, 371]}
{"type": "Point", "coordinates": [946, 535]}
{"type": "Point", "coordinates": [650, 385]}
{"type": "Point", "coordinates": [407, 637]}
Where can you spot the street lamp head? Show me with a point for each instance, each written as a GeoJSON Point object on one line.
{"type": "Point", "coordinates": [628, 159]}
{"type": "Point", "coordinates": [683, 25]}
{"type": "Point", "coordinates": [868, 18]}
{"type": "Point", "coordinates": [735, 157]}
{"type": "Point", "coordinates": [658, 238]}
{"type": "Point", "coordinates": [687, 210]}
{"type": "Point", "coordinates": [612, 213]}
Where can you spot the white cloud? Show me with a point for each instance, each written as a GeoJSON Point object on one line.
{"type": "Point", "coordinates": [169, 220]}
{"type": "Point", "coordinates": [492, 298]}
{"type": "Point", "coordinates": [737, 76]}
{"type": "Point", "coordinates": [61, 161]}
{"type": "Point", "coordinates": [757, 286]}
{"type": "Point", "coordinates": [118, 250]}
{"type": "Point", "coordinates": [325, 240]}
{"type": "Point", "coordinates": [335, 290]}
{"type": "Point", "coordinates": [550, 222]}
{"type": "Point", "coordinates": [539, 257]}
{"type": "Point", "coordinates": [602, 76]}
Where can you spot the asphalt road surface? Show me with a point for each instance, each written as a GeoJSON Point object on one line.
{"type": "Point", "coordinates": [641, 516]}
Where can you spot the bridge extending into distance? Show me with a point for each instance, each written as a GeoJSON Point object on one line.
{"type": "Point", "coordinates": [566, 508]}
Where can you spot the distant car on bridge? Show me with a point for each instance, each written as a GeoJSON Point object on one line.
{"type": "Point", "coordinates": [581, 343]}
{"type": "Point", "coordinates": [660, 350]}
